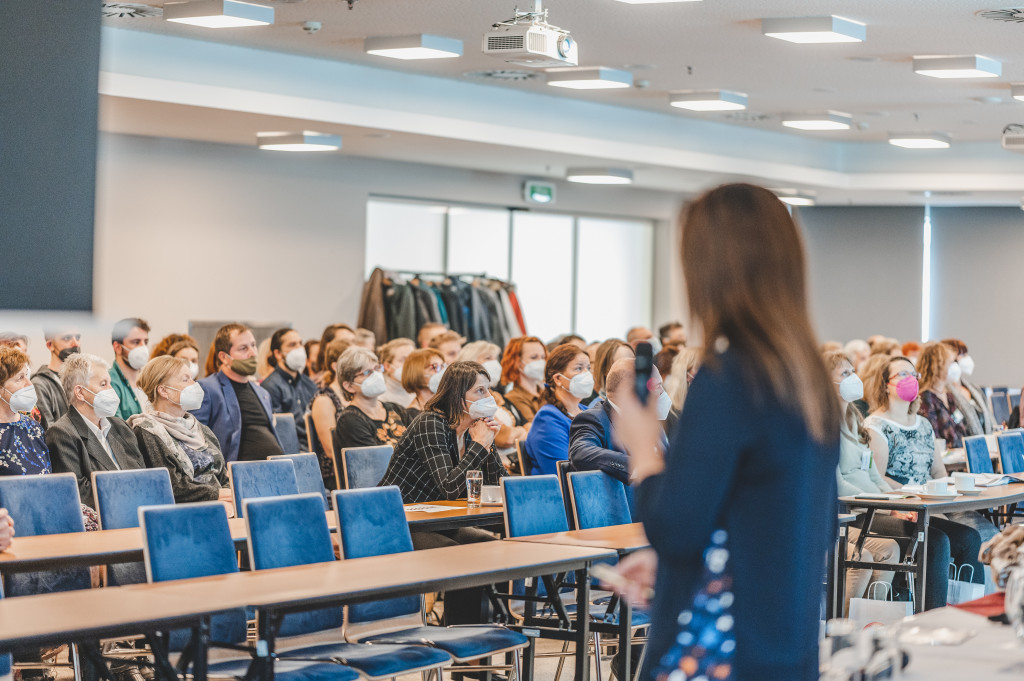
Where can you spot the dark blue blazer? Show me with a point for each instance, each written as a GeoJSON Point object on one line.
{"type": "Point", "coordinates": [221, 414]}
{"type": "Point", "coordinates": [742, 462]}
{"type": "Point", "coordinates": [591, 447]}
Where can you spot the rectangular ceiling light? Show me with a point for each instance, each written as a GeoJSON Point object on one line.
{"type": "Point", "coordinates": [797, 199]}
{"type": "Point", "coordinates": [600, 175]}
{"type": "Point", "coordinates": [919, 140]}
{"type": "Point", "coordinates": [218, 13]}
{"type": "Point", "coordinates": [823, 120]}
{"type": "Point", "coordinates": [306, 140]}
{"type": "Point", "coordinates": [830, 29]}
{"type": "Point", "coordinates": [708, 100]}
{"type": "Point", "coordinates": [1017, 91]}
{"type": "Point", "coordinates": [589, 78]}
{"type": "Point", "coordinates": [419, 46]}
{"type": "Point", "coordinates": [968, 66]}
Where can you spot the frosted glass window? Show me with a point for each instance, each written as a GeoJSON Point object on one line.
{"type": "Point", "coordinates": [404, 236]}
{"type": "Point", "coordinates": [542, 271]}
{"type": "Point", "coordinates": [614, 277]}
{"type": "Point", "coordinates": [478, 241]}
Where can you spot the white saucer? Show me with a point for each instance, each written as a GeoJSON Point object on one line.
{"type": "Point", "coordinates": [936, 497]}
{"type": "Point", "coordinates": [970, 492]}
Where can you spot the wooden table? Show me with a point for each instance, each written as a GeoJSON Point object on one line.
{"type": "Point", "coordinates": [915, 562]}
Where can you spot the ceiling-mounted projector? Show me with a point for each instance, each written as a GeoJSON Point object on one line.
{"type": "Point", "coordinates": [1013, 137]}
{"type": "Point", "coordinates": [527, 39]}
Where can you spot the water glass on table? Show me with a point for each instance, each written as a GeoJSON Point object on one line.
{"type": "Point", "coordinates": [474, 488]}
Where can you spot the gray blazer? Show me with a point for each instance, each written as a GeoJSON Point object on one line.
{"type": "Point", "coordinates": [52, 401]}
{"type": "Point", "coordinates": [75, 449]}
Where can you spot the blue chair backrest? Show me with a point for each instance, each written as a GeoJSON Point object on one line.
{"type": "Point", "coordinates": [1000, 405]}
{"type": "Point", "coordinates": [1014, 399]}
{"type": "Point", "coordinates": [254, 479]}
{"type": "Point", "coordinates": [533, 505]}
{"type": "Point", "coordinates": [44, 504]}
{"type": "Point", "coordinates": [598, 500]}
{"type": "Point", "coordinates": [120, 493]}
{"type": "Point", "coordinates": [562, 470]}
{"type": "Point", "coordinates": [1011, 452]}
{"type": "Point", "coordinates": [307, 474]}
{"type": "Point", "coordinates": [976, 450]}
{"type": "Point", "coordinates": [371, 522]}
{"type": "Point", "coordinates": [287, 433]}
{"type": "Point", "coordinates": [192, 540]}
{"type": "Point", "coordinates": [287, 531]}
{"type": "Point", "coordinates": [364, 467]}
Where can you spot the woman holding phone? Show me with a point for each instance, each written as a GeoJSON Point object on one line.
{"type": "Point", "coordinates": [754, 457]}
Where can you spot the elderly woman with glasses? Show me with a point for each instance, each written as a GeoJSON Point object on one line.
{"type": "Point", "coordinates": [367, 421]}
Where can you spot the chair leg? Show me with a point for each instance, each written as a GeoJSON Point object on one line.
{"type": "Point", "coordinates": [76, 662]}
{"type": "Point", "coordinates": [561, 661]}
{"type": "Point", "coordinates": [517, 664]}
{"type": "Point", "coordinates": [640, 660]}
{"type": "Point", "coordinates": [597, 655]}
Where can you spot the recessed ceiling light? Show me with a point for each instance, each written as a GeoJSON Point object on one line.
{"type": "Point", "coordinates": [600, 175]}
{"type": "Point", "coordinates": [830, 29]}
{"type": "Point", "coordinates": [797, 199]}
{"type": "Point", "coordinates": [1017, 91]}
{"type": "Point", "coordinates": [419, 46]}
{"type": "Point", "coordinates": [708, 100]}
{"type": "Point", "coordinates": [298, 141]}
{"type": "Point", "coordinates": [919, 140]}
{"type": "Point", "coordinates": [589, 78]}
{"type": "Point", "coordinates": [822, 120]}
{"type": "Point", "coordinates": [218, 13]}
{"type": "Point", "coordinates": [968, 66]}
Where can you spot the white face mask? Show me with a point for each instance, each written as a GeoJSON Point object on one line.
{"type": "Point", "coordinates": [483, 408]}
{"type": "Point", "coordinates": [296, 359]}
{"type": "Point", "coordinates": [193, 369]}
{"type": "Point", "coordinates": [23, 399]}
{"type": "Point", "coordinates": [966, 365]}
{"type": "Point", "coordinates": [664, 405]}
{"type": "Point", "coordinates": [581, 385]}
{"type": "Point", "coordinates": [534, 370]}
{"type": "Point", "coordinates": [435, 381]}
{"type": "Point", "coordinates": [138, 357]}
{"type": "Point", "coordinates": [655, 346]}
{"type": "Point", "coordinates": [104, 403]}
{"type": "Point", "coordinates": [397, 374]}
{"type": "Point", "coordinates": [851, 388]}
{"type": "Point", "coordinates": [493, 368]}
{"type": "Point", "coordinates": [953, 373]}
{"type": "Point", "coordinates": [190, 397]}
{"type": "Point", "coordinates": [373, 385]}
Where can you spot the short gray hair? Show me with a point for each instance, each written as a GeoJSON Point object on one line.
{"type": "Point", "coordinates": [351, 362]}
{"type": "Point", "coordinates": [472, 352]}
{"type": "Point", "coordinates": [77, 369]}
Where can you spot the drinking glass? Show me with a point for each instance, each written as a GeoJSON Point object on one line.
{"type": "Point", "coordinates": [474, 488]}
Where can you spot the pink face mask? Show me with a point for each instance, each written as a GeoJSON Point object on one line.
{"type": "Point", "coordinates": [907, 389]}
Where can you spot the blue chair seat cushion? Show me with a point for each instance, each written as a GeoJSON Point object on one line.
{"type": "Point", "coordinates": [462, 643]}
{"type": "Point", "coordinates": [288, 670]}
{"type": "Point", "coordinates": [378, 660]}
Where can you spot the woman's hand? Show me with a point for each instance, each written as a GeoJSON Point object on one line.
{"type": "Point", "coordinates": [6, 529]}
{"type": "Point", "coordinates": [638, 572]}
{"type": "Point", "coordinates": [905, 515]}
{"type": "Point", "coordinates": [637, 430]}
{"type": "Point", "coordinates": [482, 431]}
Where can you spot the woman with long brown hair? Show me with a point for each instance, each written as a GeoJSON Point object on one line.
{"type": "Point", "coordinates": [567, 381]}
{"type": "Point", "coordinates": [940, 376]}
{"type": "Point", "coordinates": [750, 474]}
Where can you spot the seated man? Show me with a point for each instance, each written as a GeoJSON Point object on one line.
{"type": "Point", "coordinates": [234, 408]}
{"type": "Point", "coordinates": [89, 437]}
{"type": "Point", "coordinates": [52, 402]}
{"type": "Point", "coordinates": [130, 340]}
{"type": "Point", "coordinates": [672, 333]}
{"type": "Point", "coordinates": [291, 391]}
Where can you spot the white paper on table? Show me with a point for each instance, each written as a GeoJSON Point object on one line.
{"type": "Point", "coordinates": [884, 496]}
{"type": "Point", "coordinates": [995, 479]}
{"type": "Point", "coordinates": [429, 508]}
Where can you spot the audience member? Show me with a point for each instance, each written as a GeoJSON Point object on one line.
{"type": "Point", "coordinates": [870, 374]}
{"type": "Point", "coordinates": [886, 346]}
{"type": "Point", "coordinates": [328, 402]}
{"type": "Point", "coordinates": [291, 391]}
{"type": "Point", "coordinates": [684, 370]}
{"type": "Point", "coordinates": [393, 355]}
{"type": "Point", "coordinates": [641, 334]}
{"type": "Point", "coordinates": [672, 333]}
{"type": "Point", "coordinates": [663, 360]}
{"type": "Point", "coordinates": [14, 340]}
{"type": "Point", "coordinates": [522, 367]}
{"type": "Point", "coordinates": [592, 351]}
{"type": "Point", "coordinates": [910, 350]}
{"type": "Point", "coordinates": [421, 376]}
{"type": "Point", "coordinates": [939, 372]}
{"type": "Point", "coordinates": [332, 333]}
{"type": "Point", "coordinates": [448, 344]}
{"type": "Point", "coordinates": [130, 340]}
{"type": "Point", "coordinates": [53, 402]}
{"type": "Point", "coordinates": [365, 339]}
{"type": "Point", "coordinates": [234, 407]}
{"type": "Point", "coordinates": [567, 380]}
{"type": "Point", "coordinates": [22, 449]}
{"type": "Point", "coordinates": [163, 347]}
{"type": "Point", "coordinates": [366, 421]}
{"type": "Point", "coordinates": [89, 437]}
{"type": "Point", "coordinates": [857, 351]}
{"type": "Point", "coordinates": [875, 340]}
{"type": "Point", "coordinates": [188, 351]}
{"type": "Point", "coordinates": [611, 351]}
{"type": "Point", "coordinates": [263, 366]}
{"type": "Point", "coordinates": [312, 351]}
{"type": "Point", "coordinates": [486, 355]}
{"type": "Point", "coordinates": [427, 333]}
{"type": "Point", "coordinates": [969, 397]}
{"type": "Point", "coordinates": [831, 346]}
{"type": "Point", "coordinates": [573, 339]}
{"type": "Point", "coordinates": [172, 438]}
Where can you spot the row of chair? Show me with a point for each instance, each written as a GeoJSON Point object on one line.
{"type": "Point", "coordinates": [1011, 452]}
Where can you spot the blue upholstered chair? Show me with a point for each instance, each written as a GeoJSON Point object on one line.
{"type": "Point", "coordinates": [361, 467]}
{"type": "Point", "coordinates": [597, 500]}
{"type": "Point", "coordinates": [287, 433]}
{"type": "Point", "coordinates": [307, 474]}
{"type": "Point", "coordinates": [1011, 452]}
{"type": "Point", "coordinates": [253, 479]}
{"type": "Point", "coordinates": [371, 522]}
{"type": "Point", "coordinates": [533, 505]}
{"type": "Point", "coordinates": [976, 451]}
{"type": "Point", "coordinates": [193, 540]}
{"type": "Point", "coordinates": [292, 530]}
{"type": "Point", "coordinates": [1000, 398]}
{"type": "Point", "coordinates": [562, 471]}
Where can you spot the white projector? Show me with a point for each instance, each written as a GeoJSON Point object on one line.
{"type": "Point", "coordinates": [1013, 137]}
{"type": "Point", "coordinates": [531, 44]}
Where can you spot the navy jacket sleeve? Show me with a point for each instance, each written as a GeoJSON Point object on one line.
{"type": "Point", "coordinates": [589, 449]}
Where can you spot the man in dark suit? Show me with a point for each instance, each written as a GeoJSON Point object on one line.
{"type": "Point", "coordinates": [236, 409]}
{"type": "Point", "coordinates": [89, 437]}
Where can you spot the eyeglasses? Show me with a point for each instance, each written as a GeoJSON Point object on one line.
{"type": "Point", "coordinates": [366, 373]}
{"type": "Point", "coordinates": [70, 337]}
{"type": "Point", "coordinates": [438, 368]}
{"type": "Point", "coordinates": [907, 374]}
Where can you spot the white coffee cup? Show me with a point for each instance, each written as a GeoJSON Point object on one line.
{"type": "Point", "coordinates": [491, 494]}
{"type": "Point", "coordinates": [937, 487]}
{"type": "Point", "coordinates": [964, 482]}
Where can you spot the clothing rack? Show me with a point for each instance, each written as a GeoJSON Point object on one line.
{"type": "Point", "coordinates": [421, 273]}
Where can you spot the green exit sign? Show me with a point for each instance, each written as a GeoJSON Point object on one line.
{"type": "Point", "coordinates": [535, 191]}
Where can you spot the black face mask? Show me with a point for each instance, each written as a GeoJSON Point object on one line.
{"type": "Point", "coordinates": [67, 352]}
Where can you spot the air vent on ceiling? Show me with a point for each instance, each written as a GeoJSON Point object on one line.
{"type": "Point", "coordinates": [503, 74]}
{"type": "Point", "coordinates": [129, 10]}
{"type": "Point", "coordinates": [1011, 14]}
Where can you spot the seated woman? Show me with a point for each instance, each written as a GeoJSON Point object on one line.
{"type": "Point", "coordinates": [568, 380]}
{"type": "Point", "coordinates": [366, 421]}
{"type": "Point", "coordinates": [608, 353]}
{"type": "Point", "coordinates": [969, 397]}
{"type": "Point", "coordinates": [328, 402]}
{"type": "Point", "coordinates": [170, 437]}
{"type": "Point", "coordinates": [522, 367]}
{"type": "Point", "coordinates": [188, 351]}
{"type": "Point", "coordinates": [856, 474]}
{"type": "Point", "coordinates": [903, 448]}
{"type": "Point", "coordinates": [393, 355]}
{"type": "Point", "coordinates": [939, 372]}
{"type": "Point", "coordinates": [421, 376]}
{"type": "Point", "coordinates": [487, 354]}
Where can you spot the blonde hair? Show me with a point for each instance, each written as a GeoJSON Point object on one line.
{"type": "Point", "coordinates": [387, 352]}
{"type": "Point", "coordinates": [472, 352]}
{"type": "Point", "coordinates": [685, 363]}
{"type": "Point", "coordinates": [933, 363]}
{"type": "Point", "coordinates": [156, 373]}
{"type": "Point", "coordinates": [871, 376]}
{"type": "Point", "coordinates": [854, 421]}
